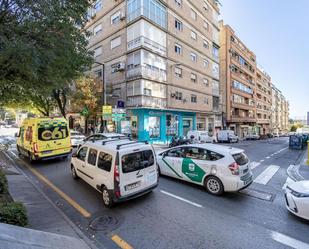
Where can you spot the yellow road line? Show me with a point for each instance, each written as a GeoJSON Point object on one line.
{"type": "Point", "coordinates": [73, 203]}
{"type": "Point", "coordinates": [120, 242]}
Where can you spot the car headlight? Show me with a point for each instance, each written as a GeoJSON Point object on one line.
{"type": "Point", "coordinates": [297, 194]}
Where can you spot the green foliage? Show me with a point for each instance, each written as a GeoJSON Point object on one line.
{"type": "Point", "coordinates": [41, 49]}
{"type": "Point", "coordinates": [13, 213]}
{"type": "Point", "coordinates": [3, 183]}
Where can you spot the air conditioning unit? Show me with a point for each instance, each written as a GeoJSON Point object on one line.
{"type": "Point", "coordinates": [118, 67]}
{"type": "Point", "coordinates": [173, 95]}
{"type": "Point", "coordinates": [122, 16]}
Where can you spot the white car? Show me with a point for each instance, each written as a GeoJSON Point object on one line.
{"type": "Point", "coordinates": [201, 136]}
{"type": "Point", "coordinates": [219, 168]}
{"type": "Point", "coordinates": [227, 136]}
{"type": "Point", "coordinates": [297, 198]}
{"type": "Point", "coordinates": [77, 138]}
{"type": "Point", "coordinates": [119, 169]}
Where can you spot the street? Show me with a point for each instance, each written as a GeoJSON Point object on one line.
{"type": "Point", "coordinates": [183, 215]}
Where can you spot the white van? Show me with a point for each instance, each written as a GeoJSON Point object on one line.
{"type": "Point", "coordinates": [120, 169]}
{"type": "Point", "coordinates": [227, 136]}
{"type": "Point", "coordinates": [201, 136]}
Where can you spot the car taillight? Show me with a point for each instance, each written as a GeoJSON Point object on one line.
{"type": "Point", "coordinates": [234, 168]}
{"type": "Point", "coordinates": [35, 147]}
{"type": "Point", "coordinates": [116, 173]}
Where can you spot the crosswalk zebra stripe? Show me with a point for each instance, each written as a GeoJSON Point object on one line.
{"type": "Point", "coordinates": [254, 164]}
{"type": "Point", "coordinates": [267, 174]}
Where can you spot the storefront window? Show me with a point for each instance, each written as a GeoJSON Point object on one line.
{"type": "Point", "coordinates": [154, 127]}
{"type": "Point", "coordinates": [171, 125]}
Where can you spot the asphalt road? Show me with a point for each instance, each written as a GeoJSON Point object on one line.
{"type": "Point", "coordinates": [182, 215]}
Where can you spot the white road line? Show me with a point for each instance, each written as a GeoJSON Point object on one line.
{"type": "Point", "coordinates": [254, 164]}
{"type": "Point", "coordinates": [181, 199]}
{"type": "Point", "coordinates": [268, 157]}
{"type": "Point", "coordinates": [288, 181]}
{"type": "Point", "coordinates": [267, 174]}
{"type": "Point", "coordinates": [288, 241]}
{"type": "Point", "coordinates": [262, 160]}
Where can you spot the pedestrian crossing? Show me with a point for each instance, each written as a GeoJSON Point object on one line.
{"type": "Point", "coordinates": [267, 174]}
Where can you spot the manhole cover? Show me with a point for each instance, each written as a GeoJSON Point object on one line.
{"type": "Point", "coordinates": [104, 223]}
{"type": "Point", "coordinates": [258, 194]}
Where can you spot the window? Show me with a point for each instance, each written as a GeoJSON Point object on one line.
{"type": "Point", "coordinates": [116, 93]}
{"type": "Point", "coordinates": [81, 155]}
{"type": "Point", "coordinates": [115, 42]}
{"type": "Point", "coordinates": [178, 49]}
{"type": "Point", "coordinates": [92, 157]}
{"type": "Point", "coordinates": [213, 156]}
{"type": "Point", "coordinates": [241, 159]}
{"type": "Point", "coordinates": [206, 25]}
{"type": "Point", "coordinates": [195, 153]}
{"type": "Point", "coordinates": [105, 161]}
{"type": "Point", "coordinates": [115, 18]}
{"type": "Point", "coordinates": [137, 161]}
{"type": "Point", "coordinates": [193, 14]}
{"type": "Point", "coordinates": [178, 24]}
{"type": "Point", "coordinates": [193, 57]}
{"type": "Point", "coordinates": [154, 127]}
{"type": "Point", "coordinates": [205, 6]}
{"type": "Point", "coordinates": [178, 72]}
{"type": "Point", "coordinates": [206, 101]}
{"type": "Point", "coordinates": [98, 73]}
{"type": "Point", "coordinates": [193, 98]}
{"type": "Point", "coordinates": [97, 51]}
{"type": "Point", "coordinates": [205, 63]}
{"type": "Point", "coordinates": [178, 96]}
{"type": "Point", "coordinates": [193, 77]}
{"type": "Point", "coordinates": [97, 6]}
{"type": "Point", "coordinates": [97, 29]}
{"type": "Point", "coordinates": [206, 82]}
{"type": "Point", "coordinates": [175, 153]}
{"type": "Point", "coordinates": [193, 35]}
{"type": "Point", "coordinates": [147, 92]}
{"type": "Point", "coordinates": [205, 44]}
{"type": "Point", "coordinates": [178, 2]}
{"type": "Point", "coordinates": [29, 134]}
{"type": "Point", "coordinates": [50, 133]}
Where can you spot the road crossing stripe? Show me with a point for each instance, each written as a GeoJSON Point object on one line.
{"type": "Point", "coordinates": [288, 241]}
{"type": "Point", "coordinates": [267, 174]}
{"type": "Point", "coordinates": [268, 157]}
{"type": "Point", "coordinates": [288, 181]}
{"type": "Point", "coordinates": [254, 164]}
{"type": "Point", "coordinates": [181, 199]}
{"type": "Point", "coordinates": [120, 242]}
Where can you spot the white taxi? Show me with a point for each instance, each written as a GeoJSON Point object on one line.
{"type": "Point", "coordinates": [219, 168]}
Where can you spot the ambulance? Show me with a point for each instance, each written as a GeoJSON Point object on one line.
{"type": "Point", "coordinates": [44, 138]}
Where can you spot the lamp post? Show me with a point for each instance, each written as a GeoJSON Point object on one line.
{"type": "Point", "coordinates": [103, 122]}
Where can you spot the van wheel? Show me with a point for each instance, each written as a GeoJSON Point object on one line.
{"type": "Point", "coordinates": [31, 158]}
{"type": "Point", "coordinates": [213, 185]}
{"type": "Point", "coordinates": [107, 199]}
{"type": "Point", "coordinates": [74, 174]}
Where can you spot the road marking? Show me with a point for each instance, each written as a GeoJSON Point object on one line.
{"type": "Point", "coordinates": [267, 174]}
{"type": "Point", "coordinates": [120, 242]}
{"type": "Point", "coordinates": [73, 203]}
{"type": "Point", "coordinates": [288, 241]}
{"type": "Point", "coordinates": [267, 157]}
{"type": "Point", "coordinates": [262, 160]}
{"type": "Point", "coordinates": [288, 181]}
{"type": "Point", "coordinates": [181, 199]}
{"type": "Point", "coordinates": [254, 164]}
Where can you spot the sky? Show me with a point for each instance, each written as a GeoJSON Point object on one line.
{"type": "Point", "coordinates": [277, 31]}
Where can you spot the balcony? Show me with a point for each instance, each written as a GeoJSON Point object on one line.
{"type": "Point", "coordinates": [146, 101]}
{"type": "Point", "coordinates": [246, 119]}
{"type": "Point", "coordinates": [153, 73]}
{"type": "Point", "coordinates": [144, 41]}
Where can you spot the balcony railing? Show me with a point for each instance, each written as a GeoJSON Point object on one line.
{"type": "Point", "coordinates": [144, 41]}
{"type": "Point", "coordinates": [143, 71]}
{"type": "Point", "coordinates": [146, 101]}
{"type": "Point", "coordinates": [242, 119]}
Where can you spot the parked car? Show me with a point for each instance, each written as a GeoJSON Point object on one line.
{"type": "Point", "coordinates": [201, 136]}
{"type": "Point", "coordinates": [227, 136]}
{"type": "Point", "coordinates": [176, 141]}
{"type": "Point", "coordinates": [103, 136]}
{"type": "Point", "coordinates": [252, 137]}
{"type": "Point", "coordinates": [119, 169]}
{"type": "Point", "coordinates": [77, 138]}
{"type": "Point", "coordinates": [297, 199]}
{"type": "Point", "coordinates": [218, 168]}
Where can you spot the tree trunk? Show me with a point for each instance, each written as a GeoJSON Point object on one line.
{"type": "Point", "coordinates": [61, 98]}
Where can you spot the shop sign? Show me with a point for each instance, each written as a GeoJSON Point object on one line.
{"type": "Point", "coordinates": [107, 112]}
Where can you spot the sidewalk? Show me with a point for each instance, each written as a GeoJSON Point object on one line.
{"type": "Point", "coordinates": [43, 215]}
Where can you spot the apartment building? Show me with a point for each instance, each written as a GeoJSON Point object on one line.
{"type": "Point", "coordinates": [161, 59]}
{"type": "Point", "coordinates": [263, 101]}
{"type": "Point", "coordinates": [238, 83]}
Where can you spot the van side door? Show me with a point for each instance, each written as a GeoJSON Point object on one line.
{"type": "Point", "coordinates": [90, 168]}
{"type": "Point", "coordinates": [104, 173]}
{"type": "Point", "coordinates": [80, 162]}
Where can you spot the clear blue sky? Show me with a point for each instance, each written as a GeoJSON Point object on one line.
{"type": "Point", "coordinates": [277, 31]}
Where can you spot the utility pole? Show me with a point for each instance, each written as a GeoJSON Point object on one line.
{"type": "Point", "coordinates": [103, 122]}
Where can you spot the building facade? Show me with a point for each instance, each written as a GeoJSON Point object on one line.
{"type": "Point", "coordinates": [237, 77]}
{"type": "Point", "coordinates": [161, 59]}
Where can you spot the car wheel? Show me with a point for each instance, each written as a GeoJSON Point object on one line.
{"type": "Point", "coordinates": [31, 158]}
{"type": "Point", "coordinates": [74, 174]}
{"type": "Point", "coordinates": [107, 199]}
{"type": "Point", "coordinates": [214, 186]}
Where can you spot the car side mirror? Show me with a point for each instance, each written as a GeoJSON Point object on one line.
{"type": "Point", "coordinates": [74, 154]}
{"type": "Point", "coordinates": [16, 134]}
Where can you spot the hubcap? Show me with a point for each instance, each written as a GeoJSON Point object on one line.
{"type": "Point", "coordinates": [105, 197]}
{"type": "Point", "coordinates": [73, 172]}
{"type": "Point", "coordinates": [213, 185]}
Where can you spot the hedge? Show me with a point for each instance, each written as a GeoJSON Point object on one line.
{"type": "Point", "coordinates": [3, 183]}
{"type": "Point", "coordinates": [13, 213]}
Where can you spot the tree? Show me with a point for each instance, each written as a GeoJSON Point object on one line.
{"type": "Point", "coordinates": [41, 47]}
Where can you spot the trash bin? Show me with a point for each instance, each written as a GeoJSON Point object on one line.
{"type": "Point", "coordinates": [296, 142]}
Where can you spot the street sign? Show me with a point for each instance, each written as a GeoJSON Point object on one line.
{"type": "Point", "coordinates": [107, 111]}
{"type": "Point", "coordinates": [120, 104]}
{"type": "Point", "coordinates": [85, 111]}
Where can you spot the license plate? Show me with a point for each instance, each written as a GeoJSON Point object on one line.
{"type": "Point", "coordinates": [47, 152]}
{"type": "Point", "coordinates": [248, 180]}
{"type": "Point", "coordinates": [132, 186]}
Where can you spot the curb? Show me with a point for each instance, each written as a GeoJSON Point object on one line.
{"type": "Point", "coordinates": [80, 234]}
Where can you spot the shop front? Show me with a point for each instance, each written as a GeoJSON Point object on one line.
{"type": "Point", "coordinates": [159, 126]}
